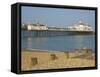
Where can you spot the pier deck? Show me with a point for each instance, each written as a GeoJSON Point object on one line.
{"type": "Point", "coordinates": [52, 32]}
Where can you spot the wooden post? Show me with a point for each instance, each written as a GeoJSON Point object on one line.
{"type": "Point", "coordinates": [67, 55]}
{"type": "Point", "coordinates": [34, 61]}
{"type": "Point", "coordinates": [53, 56]}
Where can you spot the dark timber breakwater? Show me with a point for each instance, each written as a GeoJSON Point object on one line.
{"type": "Point", "coordinates": [40, 33]}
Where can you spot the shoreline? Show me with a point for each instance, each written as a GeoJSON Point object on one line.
{"type": "Point", "coordinates": [45, 59]}
{"type": "Point", "coordinates": [39, 50]}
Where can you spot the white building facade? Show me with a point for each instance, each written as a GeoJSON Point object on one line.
{"type": "Point", "coordinates": [81, 27]}
{"type": "Point", "coordinates": [36, 27]}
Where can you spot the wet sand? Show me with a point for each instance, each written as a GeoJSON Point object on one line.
{"type": "Point", "coordinates": [43, 59]}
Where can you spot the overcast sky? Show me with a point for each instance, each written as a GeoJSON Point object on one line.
{"type": "Point", "coordinates": [57, 17]}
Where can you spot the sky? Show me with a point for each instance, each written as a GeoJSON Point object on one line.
{"type": "Point", "coordinates": [57, 17]}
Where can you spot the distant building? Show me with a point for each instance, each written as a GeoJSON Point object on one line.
{"type": "Point", "coordinates": [37, 27]}
{"type": "Point", "coordinates": [80, 26]}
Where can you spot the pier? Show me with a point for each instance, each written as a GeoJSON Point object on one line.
{"type": "Point", "coordinates": [39, 30]}
{"type": "Point", "coordinates": [45, 33]}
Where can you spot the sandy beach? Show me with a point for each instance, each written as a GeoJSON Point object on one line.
{"type": "Point", "coordinates": [43, 59]}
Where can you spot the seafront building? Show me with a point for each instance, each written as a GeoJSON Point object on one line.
{"type": "Point", "coordinates": [36, 26]}
{"type": "Point", "coordinates": [80, 26]}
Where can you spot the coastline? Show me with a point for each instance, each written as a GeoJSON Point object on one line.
{"type": "Point", "coordinates": [34, 59]}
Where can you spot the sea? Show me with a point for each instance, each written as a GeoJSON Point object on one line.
{"type": "Point", "coordinates": [59, 43]}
